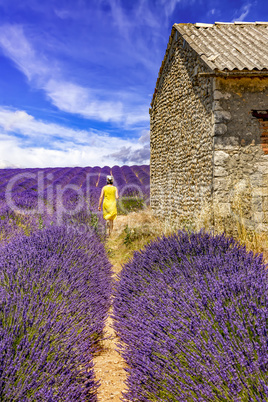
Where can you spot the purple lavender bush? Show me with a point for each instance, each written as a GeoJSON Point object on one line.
{"type": "Point", "coordinates": [55, 288]}
{"type": "Point", "coordinates": [191, 312]}
{"type": "Point", "coordinates": [12, 224]}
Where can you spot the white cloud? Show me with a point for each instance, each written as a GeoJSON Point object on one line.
{"type": "Point", "coordinates": [145, 137]}
{"type": "Point", "coordinates": [63, 13]}
{"type": "Point", "coordinates": [128, 22]}
{"type": "Point", "coordinates": [243, 12]}
{"type": "Point", "coordinates": [118, 15]}
{"type": "Point", "coordinates": [212, 11]}
{"type": "Point", "coordinates": [65, 95]}
{"type": "Point", "coordinates": [19, 50]}
{"type": "Point", "coordinates": [127, 155]}
{"type": "Point", "coordinates": [169, 6]}
{"type": "Point", "coordinates": [75, 99]}
{"type": "Point", "coordinates": [41, 157]}
{"type": "Point", "coordinates": [22, 138]}
{"type": "Point", "coordinates": [11, 120]}
{"type": "Point", "coordinates": [20, 122]}
{"type": "Point", "coordinates": [141, 155]}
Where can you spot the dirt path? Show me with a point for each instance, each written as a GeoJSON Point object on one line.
{"type": "Point", "coordinates": [109, 369]}
{"type": "Point", "coordinates": [109, 365]}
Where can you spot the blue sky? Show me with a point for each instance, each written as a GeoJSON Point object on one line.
{"type": "Point", "coordinates": [77, 76]}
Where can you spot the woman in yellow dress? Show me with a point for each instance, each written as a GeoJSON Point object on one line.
{"type": "Point", "coordinates": [110, 194]}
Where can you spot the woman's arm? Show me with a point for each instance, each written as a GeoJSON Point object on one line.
{"type": "Point", "coordinates": [116, 193]}
{"type": "Point", "coordinates": [101, 198]}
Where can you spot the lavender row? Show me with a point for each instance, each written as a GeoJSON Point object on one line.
{"type": "Point", "coordinates": [55, 288]}
{"type": "Point", "coordinates": [191, 312]}
{"type": "Point", "coordinates": [29, 188]}
{"type": "Point", "coordinates": [24, 179]}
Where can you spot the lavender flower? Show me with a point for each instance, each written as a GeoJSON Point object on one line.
{"type": "Point", "coordinates": [55, 291]}
{"type": "Point", "coordinates": [60, 185]}
{"type": "Point", "coordinates": [191, 312]}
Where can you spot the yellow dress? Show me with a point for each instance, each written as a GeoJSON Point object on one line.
{"type": "Point", "coordinates": [109, 202]}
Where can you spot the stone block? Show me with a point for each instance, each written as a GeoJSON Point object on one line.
{"type": "Point", "coordinates": [256, 180]}
{"type": "Point", "coordinates": [219, 184]}
{"type": "Point", "coordinates": [221, 95]}
{"type": "Point", "coordinates": [217, 143]}
{"type": "Point", "coordinates": [220, 171]}
{"type": "Point", "coordinates": [221, 208]}
{"type": "Point", "coordinates": [221, 158]}
{"type": "Point", "coordinates": [248, 170]}
{"type": "Point", "coordinates": [246, 158]}
{"type": "Point", "coordinates": [221, 116]}
{"type": "Point", "coordinates": [263, 168]}
{"type": "Point", "coordinates": [220, 129]}
{"type": "Point", "coordinates": [261, 228]}
{"type": "Point", "coordinates": [216, 105]}
{"type": "Point", "coordinates": [265, 204]}
{"type": "Point", "coordinates": [260, 191]}
{"type": "Point", "coordinates": [258, 217]}
{"type": "Point", "coordinates": [257, 204]}
{"type": "Point", "coordinates": [227, 146]}
{"type": "Point", "coordinates": [230, 142]}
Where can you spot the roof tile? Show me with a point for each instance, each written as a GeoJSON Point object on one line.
{"type": "Point", "coordinates": [229, 46]}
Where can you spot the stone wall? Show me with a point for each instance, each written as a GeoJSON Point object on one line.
{"type": "Point", "coordinates": [181, 136]}
{"type": "Point", "coordinates": [205, 143]}
{"type": "Point", "coordinates": [240, 183]}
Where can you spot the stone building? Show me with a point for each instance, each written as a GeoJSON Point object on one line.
{"type": "Point", "coordinates": [209, 124]}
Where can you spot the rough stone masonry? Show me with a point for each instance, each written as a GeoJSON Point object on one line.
{"type": "Point", "coordinates": [208, 147]}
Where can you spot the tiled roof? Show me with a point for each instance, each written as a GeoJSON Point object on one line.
{"type": "Point", "coordinates": [229, 46]}
{"type": "Point", "coordinates": [237, 48]}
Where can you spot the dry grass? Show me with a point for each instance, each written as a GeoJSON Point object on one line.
{"type": "Point", "coordinates": [133, 231]}
{"type": "Point", "coordinates": [234, 223]}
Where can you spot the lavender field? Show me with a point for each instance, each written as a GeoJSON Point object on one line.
{"type": "Point", "coordinates": [55, 278]}
{"type": "Point", "coordinates": [67, 187]}
{"type": "Point", "coordinates": [191, 312]}
{"type": "Point", "coordinates": [55, 290]}
{"type": "Point", "coordinates": [34, 198]}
